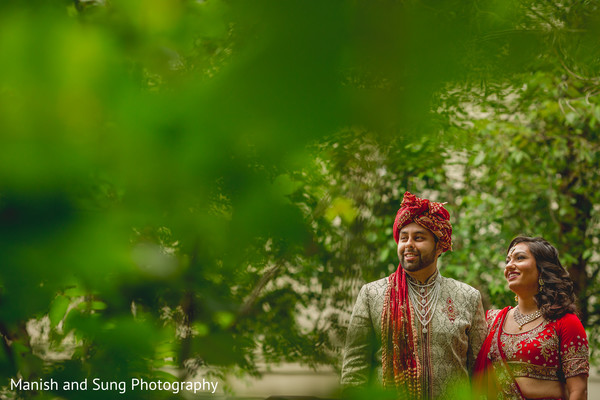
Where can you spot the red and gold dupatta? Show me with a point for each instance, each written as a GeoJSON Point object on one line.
{"type": "Point", "coordinates": [400, 362]}
{"type": "Point", "coordinates": [492, 376]}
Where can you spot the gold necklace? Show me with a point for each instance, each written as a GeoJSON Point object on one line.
{"type": "Point", "coordinates": [521, 319]}
{"type": "Point", "coordinates": [424, 299]}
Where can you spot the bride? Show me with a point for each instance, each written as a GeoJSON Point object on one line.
{"type": "Point", "coordinates": [538, 349]}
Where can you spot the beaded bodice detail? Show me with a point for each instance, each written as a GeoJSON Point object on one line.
{"type": "Point", "coordinates": [553, 350]}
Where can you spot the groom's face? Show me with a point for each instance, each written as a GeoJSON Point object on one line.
{"type": "Point", "coordinates": [417, 248]}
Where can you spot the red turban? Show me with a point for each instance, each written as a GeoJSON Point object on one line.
{"type": "Point", "coordinates": [429, 214]}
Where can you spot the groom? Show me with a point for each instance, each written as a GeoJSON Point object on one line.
{"type": "Point", "coordinates": [415, 331]}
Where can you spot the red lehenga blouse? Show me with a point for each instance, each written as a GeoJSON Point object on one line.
{"type": "Point", "coordinates": [553, 350]}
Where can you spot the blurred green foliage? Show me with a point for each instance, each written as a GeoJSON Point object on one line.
{"type": "Point", "coordinates": [193, 187]}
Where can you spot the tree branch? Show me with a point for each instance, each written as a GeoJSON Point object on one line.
{"type": "Point", "coordinates": [249, 301]}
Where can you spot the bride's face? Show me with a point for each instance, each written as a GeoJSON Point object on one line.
{"type": "Point", "coordinates": [521, 271]}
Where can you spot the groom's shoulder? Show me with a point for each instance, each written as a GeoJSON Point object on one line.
{"type": "Point", "coordinates": [376, 286]}
{"type": "Point", "coordinates": [461, 287]}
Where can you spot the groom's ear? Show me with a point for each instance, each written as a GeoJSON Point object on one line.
{"type": "Point", "coordinates": [438, 248]}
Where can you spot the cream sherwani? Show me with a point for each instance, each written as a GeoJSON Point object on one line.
{"type": "Point", "coordinates": [447, 350]}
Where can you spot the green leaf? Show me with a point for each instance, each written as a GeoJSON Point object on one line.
{"type": "Point", "coordinates": [479, 159]}
{"type": "Point", "coordinates": [58, 309]}
{"type": "Point", "coordinates": [384, 254]}
{"type": "Point", "coordinates": [343, 208]}
{"type": "Point", "coordinates": [224, 319]}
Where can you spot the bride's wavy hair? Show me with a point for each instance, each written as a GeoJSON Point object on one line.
{"type": "Point", "coordinates": [555, 297]}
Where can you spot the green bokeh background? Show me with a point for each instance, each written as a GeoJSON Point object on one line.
{"type": "Point", "coordinates": [179, 180]}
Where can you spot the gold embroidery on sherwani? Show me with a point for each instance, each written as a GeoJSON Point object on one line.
{"type": "Point", "coordinates": [452, 345]}
{"type": "Point", "coordinates": [449, 309]}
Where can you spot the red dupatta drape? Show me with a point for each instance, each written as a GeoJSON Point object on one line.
{"type": "Point", "coordinates": [400, 363]}
{"type": "Point", "coordinates": [492, 377]}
